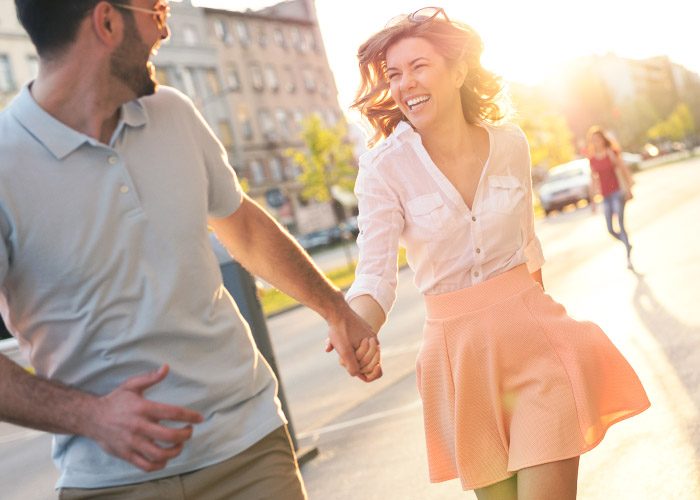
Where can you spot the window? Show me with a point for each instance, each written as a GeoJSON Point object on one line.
{"type": "Point", "coordinates": [271, 78]}
{"type": "Point", "coordinates": [298, 117]}
{"type": "Point", "coordinates": [262, 37]}
{"type": "Point", "coordinates": [243, 33]}
{"type": "Point", "coordinates": [189, 35]}
{"type": "Point", "coordinates": [331, 117]}
{"type": "Point", "coordinates": [311, 41]}
{"type": "Point", "coordinates": [291, 80]}
{"type": "Point", "coordinates": [256, 77]}
{"type": "Point", "coordinates": [33, 66]}
{"type": "Point", "coordinates": [163, 74]}
{"type": "Point", "coordinates": [188, 79]}
{"type": "Point", "coordinates": [213, 83]}
{"type": "Point", "coordinates": [226, 134]}
{"type": "Point", "coordinates": [309, 80]}
{"type": "Point", "coordinates": [267, 125]}
{"type": "Point", "coordinates": [323, 88]}
{"type": "Point", "coordinates": [296, 38]}
{"type": "Point", "coordinates": [257, 173]}
{"type": "Point", "coordinates": [291, 170]}
{"type": "Point", "coordinates": [278, 35]}
{"type": "Point", "coordinates": [222, 31]}
{"type": "Point", "coordinates": [245, 122]}
{"type": "Point", "coordinates": [281, 116]}
{"type": "Point", "coordinates": [276, 169]}
{"type": "Point", "coordinates": [7, 83]}
{"type": "Point", "coordinates": [233, 81]}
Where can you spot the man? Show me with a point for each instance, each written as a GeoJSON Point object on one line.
{"type": "Point", "coordinates": [108, 280]}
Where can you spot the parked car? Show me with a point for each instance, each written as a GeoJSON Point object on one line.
{"type": "Point", "coordinates": [633, 160]}
{"type": "Point", "coordinates": [565, 184]}
{"type": "Point", "coordinates": [319, 239]}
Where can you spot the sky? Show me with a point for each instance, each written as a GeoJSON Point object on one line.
{"type": "Point", "coordinates": [524, 40]}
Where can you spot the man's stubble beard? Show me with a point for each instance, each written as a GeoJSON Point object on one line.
{"type": "Point", "coordinates": [127, 62]}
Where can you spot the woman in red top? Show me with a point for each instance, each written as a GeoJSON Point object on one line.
{"type": "Point", "coordinates": [606, 165]}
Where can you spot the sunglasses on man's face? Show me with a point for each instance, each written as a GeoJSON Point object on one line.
{"type": "Point", "coordinates": [160, 12]}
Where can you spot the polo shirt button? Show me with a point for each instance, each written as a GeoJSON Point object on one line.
{"type": "Point", "coordinates": [112, 160]}
{"type": "Point", "coordinates": [476, 274]}
{"type": "Point", "coordinates": [478, 250]}
{"type": "Point", "coordinates": [124, 189]}
{"type": "Point", "coordinates": [474, 219]}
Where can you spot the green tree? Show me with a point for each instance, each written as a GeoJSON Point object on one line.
{"type": "Point", "coordinates": [547, 131]}
{"type": "Point", "coordinates": [676, 127]}
{"type": "Point", "coordinates": [327, 160]}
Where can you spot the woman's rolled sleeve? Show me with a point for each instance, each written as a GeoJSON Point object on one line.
{"type": "Point", "coordinates": [380, 222]}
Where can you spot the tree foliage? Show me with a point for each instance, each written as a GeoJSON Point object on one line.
{"type": "Point", "coordinates": [550, 138]}
{"type": "Point", "coordinates": [676, 127]}
{"type": "Point", "coordinates": [327, 160]}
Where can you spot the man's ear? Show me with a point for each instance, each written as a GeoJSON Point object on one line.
{"type": "Point", "coordinates": [107, 24]}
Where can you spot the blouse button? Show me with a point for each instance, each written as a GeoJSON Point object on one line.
{"type": "Point", "coordinates": [473, 218]}
{"type": "Point", "coordinates": [478, 250]}
{"type": "Point", "coordinates": [476, 274]}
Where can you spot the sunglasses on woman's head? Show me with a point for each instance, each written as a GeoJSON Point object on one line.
{"type": "Point", "coordinates": [420, 16]}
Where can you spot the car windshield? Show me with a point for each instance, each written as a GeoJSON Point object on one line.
{"type": "Point", "coordinates": [564, 174]}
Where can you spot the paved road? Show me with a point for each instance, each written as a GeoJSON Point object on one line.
{"type": "Point", "coordinates": [370, 436]}
{"type": "Point", "coordinates": [376, 450]}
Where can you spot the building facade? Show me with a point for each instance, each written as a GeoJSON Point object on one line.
{"type": "Point", "coordinates": [254, 76]}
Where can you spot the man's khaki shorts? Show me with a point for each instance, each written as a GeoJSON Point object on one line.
{"type": "Point", "coordinates": [266, 470]}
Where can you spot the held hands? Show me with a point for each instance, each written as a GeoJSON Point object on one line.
{"type": "Point", "coordinates": [357, 346]}
{"type": "Point", "coordinates": [129, 426]}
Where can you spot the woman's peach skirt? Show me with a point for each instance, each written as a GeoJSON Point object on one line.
{"type": "Point", "coordinates": [509, 380]}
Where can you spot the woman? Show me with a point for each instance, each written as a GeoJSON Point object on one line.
{"type": "Point", "coordinates": [513, 389]}
{"type": "Point", "coordinates": [612, 179]}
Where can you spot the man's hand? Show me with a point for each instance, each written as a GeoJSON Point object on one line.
{"type": "Point", "coordinates": [358, 348]}
{"type": "Point", "coordinates": [128, 426]}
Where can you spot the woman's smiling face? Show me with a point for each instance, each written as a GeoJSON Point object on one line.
{"type": "Point", "coordinates": [422, 83]}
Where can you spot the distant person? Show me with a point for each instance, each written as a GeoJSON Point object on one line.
{"type": "Point", "coordinates": [146, 372]}
{"type": "Point", "coordinates": [610, 177]}
{"type": "Point", "coordinates": [513, 389]}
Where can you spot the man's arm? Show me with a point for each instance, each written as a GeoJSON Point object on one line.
{"type": "Point", "coordinates": [265, 249]}
{"type": "Point", "coordinates": [123, 422]}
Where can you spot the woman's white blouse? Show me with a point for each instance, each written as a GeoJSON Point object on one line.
{"type": "Point", "coordinates": [403, 198]}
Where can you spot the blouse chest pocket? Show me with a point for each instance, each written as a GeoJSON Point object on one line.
{"type": "Point", "coordinates": [505, 193]}
{"type": "Point", "coordinates": [428, 214]}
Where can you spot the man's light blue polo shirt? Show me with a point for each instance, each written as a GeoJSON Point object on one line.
{"type": "Point", "coordinates": [106, 272]}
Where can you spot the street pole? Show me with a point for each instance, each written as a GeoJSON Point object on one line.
{"type": "Point", "coordinates": [241, 285]}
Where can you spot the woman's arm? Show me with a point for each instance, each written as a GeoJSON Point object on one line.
{"type": "Point", "coordinates": [369, 310]}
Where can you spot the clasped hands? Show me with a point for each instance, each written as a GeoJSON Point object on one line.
{"type": "Point", "coordinates": [367, 357]}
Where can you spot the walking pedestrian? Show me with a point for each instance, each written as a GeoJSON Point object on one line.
{"type": "Point", "coordinates": [611, 177]}
{"type": "Point", "coordinates": [513, 389]}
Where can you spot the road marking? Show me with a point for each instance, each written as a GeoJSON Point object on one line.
{"type": "Point", "coordinates": [21, 435]}
{"type": "Point", "coordinates": [391, 351]}
{"type": "Point", "coordinates": [360, 420]}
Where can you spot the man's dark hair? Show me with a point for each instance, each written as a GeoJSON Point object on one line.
{"type": "Point", "coordinates": [52, 25]}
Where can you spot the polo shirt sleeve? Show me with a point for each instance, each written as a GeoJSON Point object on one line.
{"type": "Point", "coordinates": [225, 192]}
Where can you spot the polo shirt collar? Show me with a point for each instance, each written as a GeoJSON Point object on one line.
{"type": "Point", "coordinates": [58, 138]}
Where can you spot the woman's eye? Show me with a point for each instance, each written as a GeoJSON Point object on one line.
{"type": "Point", "coordinates": [391, 76]}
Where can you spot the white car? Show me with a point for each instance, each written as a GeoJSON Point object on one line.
{"type": "Point", "coordinates": [565, 184]}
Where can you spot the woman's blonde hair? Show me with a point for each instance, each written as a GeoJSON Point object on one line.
{"type": "Point", "coordinates": [481, 94]}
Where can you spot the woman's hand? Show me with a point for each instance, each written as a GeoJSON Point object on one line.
{"type": "Point", "coordinates": [368, 355]}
